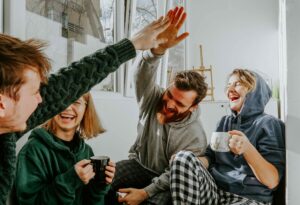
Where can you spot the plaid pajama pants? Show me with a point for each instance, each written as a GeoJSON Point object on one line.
{"type": "Point", "coordinates": [131, 174]}
{"type": "Point", "coordinates": [192, 184]}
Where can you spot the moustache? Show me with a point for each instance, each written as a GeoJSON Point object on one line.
{"type": "Point", "coordinates": [176, 116]}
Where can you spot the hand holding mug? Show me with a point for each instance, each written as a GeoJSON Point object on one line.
{"type": "Point", "coordinates": [84, 170]}
{"type": "Point", "coordinates": [219, 142]}
{"type": "Point", "coordinates": [110, 171]}
{"type": "Point", "coordinates": [238, 142]}
{"type": "Point", "coordinates": [102, 167]}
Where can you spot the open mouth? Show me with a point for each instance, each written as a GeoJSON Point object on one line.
{"type": "Point", "coordinates": [234, 98]}
{"type": "Point", "coordinates": [67, 117]}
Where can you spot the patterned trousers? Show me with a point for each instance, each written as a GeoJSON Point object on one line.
{"type": "Point", "coordinates": [131, 174]}
{"type": "Point", "coordinates": [192, 184]}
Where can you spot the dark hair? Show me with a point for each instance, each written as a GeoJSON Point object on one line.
{"type": "Point", "coordinates": [16, 56]}
{"type": "Point", "coordinates": [191, 80]}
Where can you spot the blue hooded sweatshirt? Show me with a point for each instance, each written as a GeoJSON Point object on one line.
{"type": "Point", "coordinates": [231, 172]}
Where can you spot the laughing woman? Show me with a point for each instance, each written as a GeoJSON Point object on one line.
{"type": "Point", "coordinates": [252, 169]}
{"type": "Point", "coordinates": [54, 167]}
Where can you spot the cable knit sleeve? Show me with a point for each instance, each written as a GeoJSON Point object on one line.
{"type": "Point", "coordinates": [63, 88]}
{"type": "Point", "coordinates": [7, 164]}
{"type": "Point", "coordinates": [71, 82]}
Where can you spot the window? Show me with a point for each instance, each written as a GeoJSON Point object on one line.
{"type": "Point", "coordinates": [139, 13]}
{"type": "Point", "coordinates": [73, 29]}
{"type": "Point", "coordinates": [176, 59]}
{"type": "Point", "coordinates": [76, 28]}
{"type": "Point", "coordinates": [145, 13]}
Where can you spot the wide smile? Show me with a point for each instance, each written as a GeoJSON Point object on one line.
{"type": "Point", "coordinates": [66, 117]}
{"type": "Point", "coordinates": [234, 98]}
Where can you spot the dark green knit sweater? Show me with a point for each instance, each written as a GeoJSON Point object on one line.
{"type": "Point", "coordinates": [46, 175]}
{"type": "Point", "coordinates": [63, 88]}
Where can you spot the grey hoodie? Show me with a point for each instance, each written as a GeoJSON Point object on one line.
{"type": "Point", "coordinates": [265, 132]}
{"type": "Point", "coordinates": [156, 143]}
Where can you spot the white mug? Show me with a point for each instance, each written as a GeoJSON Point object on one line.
{"type": "Point", "coordinates": [220, 142]}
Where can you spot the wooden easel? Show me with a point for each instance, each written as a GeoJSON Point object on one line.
{"type": "Point", "coordinates": [204, 71]}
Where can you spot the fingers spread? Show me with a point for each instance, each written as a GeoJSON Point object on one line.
{"type": "Point", "coordinates": [182, 37]}
{"type": "Point", "coordinates": [157, 22]}
{"type": "Point", "coordinates": [177, 15]}
{"type": "Point", "coordinates": [162, 28]}
{"type": "Point", "coordinates": [181, 21]}
{"type": "Point", "coordinates": [170, 13]}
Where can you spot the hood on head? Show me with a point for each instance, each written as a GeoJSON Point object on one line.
{"type": "Point", "coordinates": [256, 100]}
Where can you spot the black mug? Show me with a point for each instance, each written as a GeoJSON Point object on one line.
{"type": "Point", "coordinates": [99, 163]}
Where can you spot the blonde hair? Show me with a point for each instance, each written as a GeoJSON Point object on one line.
{"type": "Point", "coordinates": [90, 125]}
{"type": "Point", "coordinates": [247, 78]}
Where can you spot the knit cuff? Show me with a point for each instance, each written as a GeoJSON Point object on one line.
{"type": "Point", "coordinates": [149, 57]}
{"type": "Point", "coordinates": [151, 190]}
{"type": "Point", "coordinates": [7, 165]}
{"type": "Point", "coordinates": [125, 50]}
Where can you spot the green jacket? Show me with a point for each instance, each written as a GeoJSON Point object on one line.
{"type": "Point", "coordinates": [63, 88]}
{"type": "Point", "coordinates": [45, 173]}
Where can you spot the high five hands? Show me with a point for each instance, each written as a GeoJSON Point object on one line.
{"type": "Point", "coordinates": [170, 34]}
{"type": "Point", "coordinates": [162, 33]}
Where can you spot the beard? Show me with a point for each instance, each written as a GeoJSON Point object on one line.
{"type": "Point", "coordinates": [175, 117]}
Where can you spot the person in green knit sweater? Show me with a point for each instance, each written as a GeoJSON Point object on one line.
{"type": "Point", "coordinates": [29, 96]}
{"type": "Point", "coordinates": [53, 167]}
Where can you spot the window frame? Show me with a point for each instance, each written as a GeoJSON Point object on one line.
{"type": "Point", "coordinates": [165, 60]}
{"type": "Point", "coordinates": [1, 16]}
{"type": "Point", "coordinates": [15, 11]}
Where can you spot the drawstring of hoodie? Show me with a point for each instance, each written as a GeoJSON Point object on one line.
{"type": "Point", "coordinates": [235, 123]}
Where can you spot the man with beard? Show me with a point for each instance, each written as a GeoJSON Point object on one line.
{"type": "Point", "coordinates": [168, 122]}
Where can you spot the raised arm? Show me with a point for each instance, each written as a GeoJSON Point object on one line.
{"type": "Point", "coordinates": [147, 63]}
{"type": "Point", "coordinates": [73, 81]}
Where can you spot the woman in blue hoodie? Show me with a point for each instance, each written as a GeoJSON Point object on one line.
{"type": "Point", "coordinates": [53, 166]}
{"type": "Point", "coordinates": [254, 166]}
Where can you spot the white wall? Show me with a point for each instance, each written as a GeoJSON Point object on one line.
{"type": "Point", "coordinates": [234, 33]}
{"type": "Point", "coordinates": [119, 116]}
{"type": "Point", "coordinates": [293, 101]}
